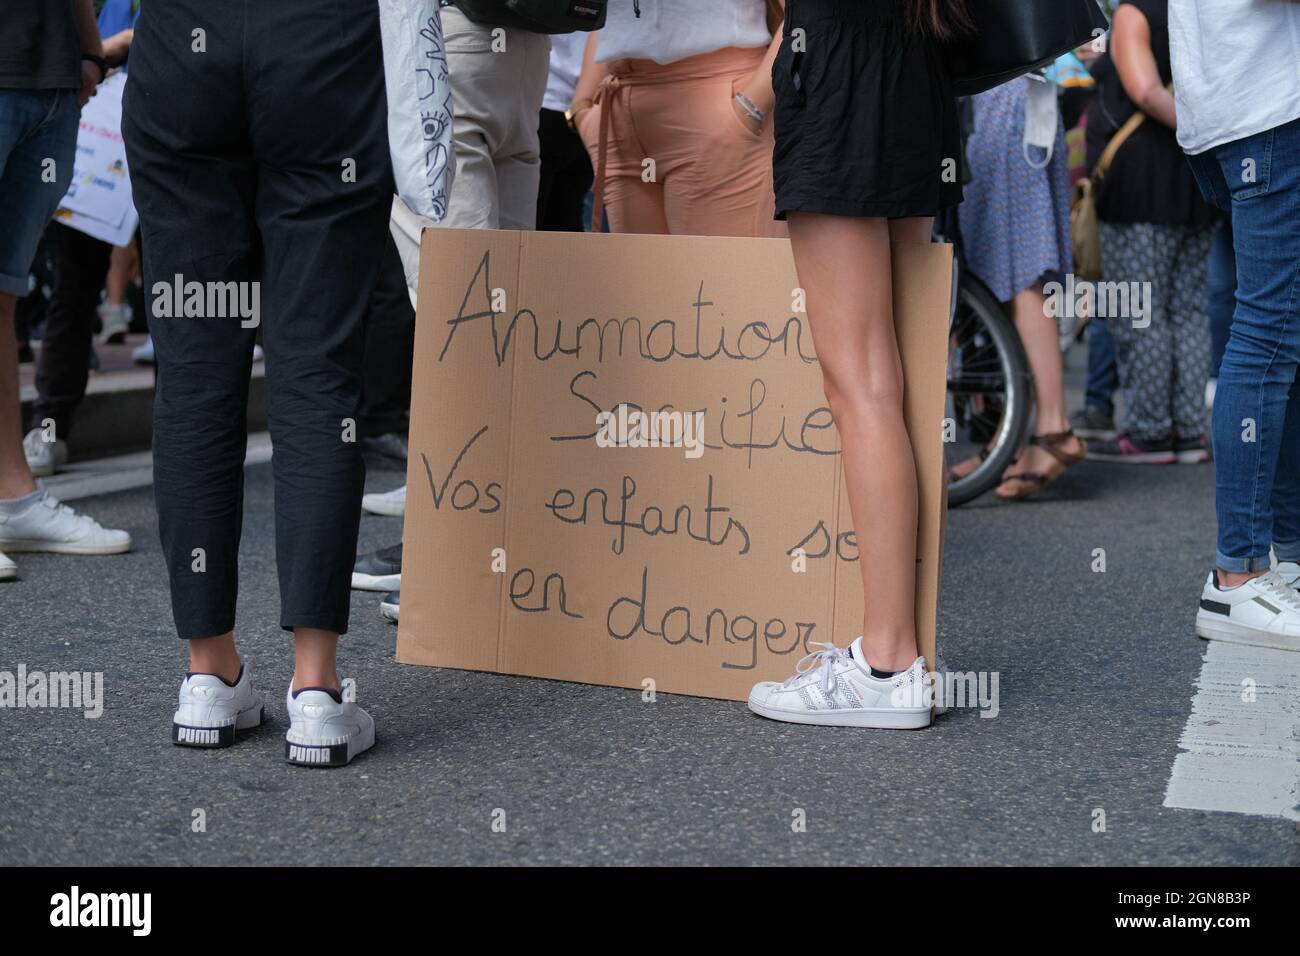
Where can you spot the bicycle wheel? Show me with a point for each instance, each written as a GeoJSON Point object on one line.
{"type": "Point", "coordinates": [989, 389]}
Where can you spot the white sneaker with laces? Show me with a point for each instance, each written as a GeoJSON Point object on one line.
{"type": "Point", "coordinates": [8, 570]}
{"type": "Point", "coordinates": [44, 457]}
{"type": "Point", "coordinates": [1289, 571]}
{"type": "Point", "coordinates": [210, 710]}
{"type": "Point", "coordinates": [47, 525]}
{"type": "Point", "coordinates": [391, 503]}
{"type": "Point", "coordinates": [835, 687]}
{"type": "Point", "coordinates": [1264, 612]}
{"type": "Point", "coordinates": [324, 729]}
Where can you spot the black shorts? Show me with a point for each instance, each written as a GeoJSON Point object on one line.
{"type": "Point", "coordinates": [866, 123]}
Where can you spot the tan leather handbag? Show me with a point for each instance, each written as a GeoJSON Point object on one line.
{"type": "Point", "coordinates": [1084, 234]}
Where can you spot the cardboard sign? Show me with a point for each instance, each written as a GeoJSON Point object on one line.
{"type": "Point", "coordinates": [556, 527]}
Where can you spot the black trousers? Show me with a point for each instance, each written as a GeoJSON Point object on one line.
{"type": "Point", "coordinates": [63, 367]}
{"type": "Point", "coordinates": [566, 175]}
{"type": "Point", "coordinates": [390, 349]}
{"type": "Point", "coordinates": [256, 136]}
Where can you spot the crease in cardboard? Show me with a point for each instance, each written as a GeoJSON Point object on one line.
{"type": "Point", "coordinates": [508, 509]}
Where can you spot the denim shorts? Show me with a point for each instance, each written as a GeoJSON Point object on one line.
{"type": "Point", "coordinates": [38, 139]}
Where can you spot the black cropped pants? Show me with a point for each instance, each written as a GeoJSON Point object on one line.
{"type": "Point", "coordinates": [256, 137]}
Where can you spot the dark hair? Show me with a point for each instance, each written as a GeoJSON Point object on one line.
{"type": "Point", "coordinates": [941, 19]}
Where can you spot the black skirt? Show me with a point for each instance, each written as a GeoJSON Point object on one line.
{"type": "Point", "coordinates": [865, 120]}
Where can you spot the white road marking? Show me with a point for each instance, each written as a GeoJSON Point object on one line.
{"type": "Point", "coordinates": [102, 476]}
{"type": "Point", "coordinates": [1241, 756]}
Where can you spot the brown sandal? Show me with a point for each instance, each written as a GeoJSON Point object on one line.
{"type": "Point", "coordinates": [1032, 482]}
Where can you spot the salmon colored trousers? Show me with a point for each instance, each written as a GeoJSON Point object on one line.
{"type": "Point", "coordinates": [676, 157]}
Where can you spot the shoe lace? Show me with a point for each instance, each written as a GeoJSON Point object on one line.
{"type": "Point", "coordinates": [820, 663]}
{"type": "Point", "coordinates": [1279, 590]}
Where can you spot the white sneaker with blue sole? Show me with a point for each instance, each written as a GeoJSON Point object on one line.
{"type": "Point", "coordinates": [324, 729]}
{"type": "Point", "coordinates": [210, 709]}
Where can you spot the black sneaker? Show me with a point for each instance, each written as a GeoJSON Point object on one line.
{"type": "Point", "coordinates": [388, 606]}
{"type": "Point", "coordinates": [379, 570]}
{"type": "Point", "coordinates": [1093, 423]}
{"type": "Point", "coordinates": [1192, 451]}
{"type": "Point", "coordinates": [1133, 451]}
{"type": "Point", "coordinates": [384, 452]}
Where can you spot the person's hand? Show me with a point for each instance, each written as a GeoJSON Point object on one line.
{"type": "Point", "coordinates": [117, 46]}
{"type": "Point", "coordinates": [91, 77]}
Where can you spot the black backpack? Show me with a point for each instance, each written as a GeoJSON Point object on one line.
{"type": "Point", "coordinates": [538, 16]}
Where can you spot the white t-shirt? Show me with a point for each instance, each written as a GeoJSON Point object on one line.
{"type": "Point", "coordinates": [672, 30]}
{"type": "Point", "coordinates": [1236, 68]}
{"type": "Point", "coordinates": [566, 64]}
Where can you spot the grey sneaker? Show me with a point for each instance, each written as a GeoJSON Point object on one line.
{"type": "Point", "coordinates": [1093, 423]}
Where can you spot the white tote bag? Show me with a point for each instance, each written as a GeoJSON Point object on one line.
{"type": "Point", "coordinates": [419, 104]}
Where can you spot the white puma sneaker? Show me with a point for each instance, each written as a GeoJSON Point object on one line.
{"type": "Point", "coordinates": [1265, 612]}
{"type": "Point", "coordinates": [325, 730]}
{"type": "Point", "coordinates": [392, 503]}
{"type": "Point", "coordinates": [835, 687]}
{"type": "Point", "coordinates": [209, 710]}
{"type": "Point", "coordinates": [8, 570]}
{"type": "Point", "coordinates": [47, 525]}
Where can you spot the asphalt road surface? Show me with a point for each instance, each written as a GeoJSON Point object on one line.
{"type": "Point", "coordinates": [1097, 675]}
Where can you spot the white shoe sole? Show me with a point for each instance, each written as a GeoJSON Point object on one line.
{"type": "Point", "coordinates": [9, 572]}
{"type": "Point", "coordinates": [892, 718]}
{"type": "Point", "coordinates": [376, 582]}
{"type": "Point", "coordinates": [1214, 628]}
{"type": "Point", "coordinates": [219, 735]}
{"type": "Point", "coordinates": [1198, 457]}
{"type": "Point", "coordinates": [338, 753]}
{"type": "Point", "coordinates": [381, 507]}
{"type": "Point", "coordinates": [63, 547]}
{"type": "Point", "coordinates": [389, 611]}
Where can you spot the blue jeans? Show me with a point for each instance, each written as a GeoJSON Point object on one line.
{"type": "Point", "coordinates": [1223, 293]}
{"type": "Point", "coordinates": [1103, 369]}
{"type": "Point", "coordinates": [38, 138]}
{"type": "Point", "coordinates": [1256, 427]}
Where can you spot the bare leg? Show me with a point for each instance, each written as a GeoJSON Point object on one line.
{"type": "Point", "coordinates": [15, 477]}
{"type": "Point", "coordinates": [1042, 346]}
{"type": "Point", "coordinates": [844, 268]}
{"type": "Point", "coordinates": [314, 658]}
{"type": "Point", "coordinates": [122, 268]}
{"type": "Point", "coordinates": [216, 655]}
